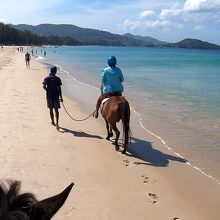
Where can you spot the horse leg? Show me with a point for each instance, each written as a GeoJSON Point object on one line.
{"type": "Point", "coordinates": [125, 117]}
{"type": "Point", "coordinates": [117, 133]}
{"type": "Point", "coordinates": [109, 131]}
{"type": "Point", "coordinates": [107, 128]}
{"type": "Point", "coordinates": [125, 148]}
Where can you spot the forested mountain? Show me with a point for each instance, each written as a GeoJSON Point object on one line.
{"type": "Point", "coordinates": [147, 39]}
{"type": "Point", "coordinates": [84, 35]}
{"type": "Point", "coordinates": [72, 35]}
{"type": "Point", "coordinates": [10, 35]}
{"type": "Point", "coordinates": [87, 36]}
{"type": "Point", "coordinates": [186, 43]}
{"type": "Point", "coordinates": [194, 44]}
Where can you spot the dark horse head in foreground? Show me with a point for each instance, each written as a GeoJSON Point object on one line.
{"type": "Point", "coordinates": [115, 109]}
{"type": "Point", "coordinates": [16, 206]}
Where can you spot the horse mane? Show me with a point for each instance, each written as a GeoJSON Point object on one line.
{"type": "Point", "coordinates": [16, 206]}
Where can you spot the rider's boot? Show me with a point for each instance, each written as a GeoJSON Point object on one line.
{"type": "Point", "coordinates": [96, 114]}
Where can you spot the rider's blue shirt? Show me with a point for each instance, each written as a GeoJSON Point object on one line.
{"type": "Point", "coordinates": [112, 79]}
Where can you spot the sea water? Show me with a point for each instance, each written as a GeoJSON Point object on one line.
{"type": "Point", "coordinates": [176, 93]}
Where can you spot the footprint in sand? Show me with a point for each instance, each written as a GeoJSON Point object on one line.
{"type": "Point", "coordinates": [69, 211]}
{"type": "Point", "coordinates": [67, 169]}
{"type": "Point", "coordinates": [147, 179]}
{"type": "Point", "coordinates": [153, 198]}
{"type": "Point", "coordinates": [126, 162]}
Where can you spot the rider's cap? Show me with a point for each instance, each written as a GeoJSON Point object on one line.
{"type": "Point", "coordinates": [112, 61]}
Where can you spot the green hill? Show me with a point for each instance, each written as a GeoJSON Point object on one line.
{"type": "Point", "coordinates": [10, 35]}
{"type": "Point", "coordinates": [195, 44]}
{"type": "Point", "coordinates": [147, 39]}
{"type": "Point", "coordinates": [84, 35]}
{"type": "Point", "coordinates": [66, 34]}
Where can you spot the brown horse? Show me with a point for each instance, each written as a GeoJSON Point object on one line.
{"type": "Point", "coordinates": [115, 109]}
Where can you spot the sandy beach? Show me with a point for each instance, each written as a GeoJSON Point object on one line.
{"type": "Point", "coordinates": [148, 183]}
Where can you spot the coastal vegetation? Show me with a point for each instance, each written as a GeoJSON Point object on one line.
{"type": "Point", "coordinates": [66, 34]}
{"type": "Point", "coordinates": [147, 39]}
{"type": "Point", "coordinates": [186, 43]}
{"type": "Point", "coordinates": [85, 36]}
{"type": "Point", "coordinates": [195, 44]}
{"type": "Point", "coordinates": [11, 36]}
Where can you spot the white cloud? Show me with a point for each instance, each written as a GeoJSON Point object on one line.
{"type": "Point", "coordinates": [205, 10]}
{"type": "Point", "coordinates": [167, 13]}
{"type": "Point", "coordinates": [174, 11]}
{"type": "Point", "coordinates": [147, 14]}
{"type": "Point", "coordinates": [149, 19]}
{"type": "Point", "coordinates": [201, 5]}
{"type": "Point", "coordinates": [164, 25]}
{"type": "Point", "coordinates": [130, 25]}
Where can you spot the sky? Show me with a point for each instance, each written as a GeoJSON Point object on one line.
{"type": "Point", "coordinates": [168, 20]}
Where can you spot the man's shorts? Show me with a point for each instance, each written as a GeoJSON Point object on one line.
{"type": "Point", "coordinates": [53, 103]}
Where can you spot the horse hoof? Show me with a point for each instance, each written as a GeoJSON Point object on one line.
{"type": "Point", "coordinates": [124, 151]}
{"type": "Point", "coordinates": [107, 138]}
{"type": "Point", "coordinates": [57, 127]}
{"type": "Point", "coordinates": [111, 135]}
{"type": "Point", "coordinates": [117, 147]}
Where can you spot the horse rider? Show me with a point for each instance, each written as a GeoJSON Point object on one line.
{"type": "Point", "coordinates": [111, 82]}
{"type": "Point", "coordinates": [52, 85]}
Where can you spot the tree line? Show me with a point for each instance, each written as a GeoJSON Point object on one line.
{"type": "Point", "coordinates": [12, 36]}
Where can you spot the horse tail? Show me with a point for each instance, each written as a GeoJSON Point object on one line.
{"type": "Point", "coordinates": [125, 117]}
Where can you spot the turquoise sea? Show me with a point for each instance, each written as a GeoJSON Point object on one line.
{"type": "Point", "coordinates": [175, 93]}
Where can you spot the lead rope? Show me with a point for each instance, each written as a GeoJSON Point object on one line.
{"type": "Point", "coordinates": [74, 118]}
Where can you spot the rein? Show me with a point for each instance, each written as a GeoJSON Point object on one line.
{"type": "Point", "coordinates": [74, 118]}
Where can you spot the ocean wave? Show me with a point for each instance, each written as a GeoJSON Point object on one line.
{"type": "Point", "coordinates": [40, 58]}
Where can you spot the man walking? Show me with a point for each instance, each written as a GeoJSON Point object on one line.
{"type": "Point", "coordinates": [27, 59]}
{"type": "Point", "coordinates": [52, 85]}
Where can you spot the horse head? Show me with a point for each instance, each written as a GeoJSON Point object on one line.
{"type": "Point", "coordinates": [16, 206]}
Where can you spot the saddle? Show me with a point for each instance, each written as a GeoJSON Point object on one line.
{"type": "Point", "coordinates": [103, 103]}
{"type": "Point", "coordinates": [105, 100]}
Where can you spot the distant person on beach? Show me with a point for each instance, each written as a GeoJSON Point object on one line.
{"type": "Point", "coordinates": [27, 59]}
{"type": "Point", "coordinates": [111, 82]}
{"type": "Point", "coordinates": [52, 85]}
{"type": "Point", "coordinates": [45, 53]}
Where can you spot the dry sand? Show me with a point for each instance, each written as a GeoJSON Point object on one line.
{"type": "Point", "coordinates": [108, 185]}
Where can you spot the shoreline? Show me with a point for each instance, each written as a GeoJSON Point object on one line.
{"type": "Point", "coordinates": [109, 185]}
{"type": "Point", "coordinates": [139, 120]}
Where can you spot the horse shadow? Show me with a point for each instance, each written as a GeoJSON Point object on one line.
{"type": "Point", "coordinates": [144, 151]}
{"type": "Point", "coordinates": [79, 133]}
